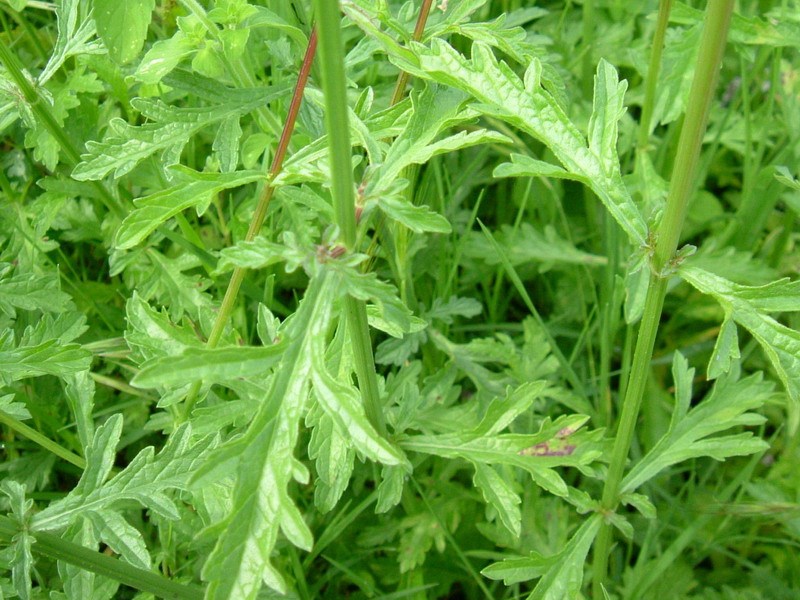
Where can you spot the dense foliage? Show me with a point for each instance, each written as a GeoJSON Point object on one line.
{"type": "Point", "coordinates": [507, 291]}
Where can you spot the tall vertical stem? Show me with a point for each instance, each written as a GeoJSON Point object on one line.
{"type": "Point", "coordinates": [712, 46]}
{"type": "Point", "coordinates": [331, 49]}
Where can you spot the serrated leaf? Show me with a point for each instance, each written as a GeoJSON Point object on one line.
{"type": "Point", "coordinates": [240, 561]}
{"type": "Point", "coordinates": [143, 480]}
{"type": "Point", "coordinates": [749, 307]}
{"type": "Point", "coordinates": [120, 536]}
{"type": "Point", "coordinates": [72, 38]}
{"type": "Point", "coordinates": [536, 453]}
{"type": "Point", "coordinates": [343, 404]}
{"type": "Point", "coordinates": [209, 364]}
{"type": "Point", "coordinates": [517, 570]}
{"type": "Point", "coordinates": [419, 219]}
{"type": "Point", "coordinates": [530, 107]}
{"type": "Point", "coordinates": [32, 291]}
{"type": "Point", "coordinates": [390, 489]}
{"type": "Point", "coordinates": [561, 574]}
{"type": "Point", "coordinates": [503, 411]}
{"type": "Point", "coordinates": [500, 495]}
{"type": "Point", "coordinates": [152, 334]}
{"type": "Point", "coordinates": [689, 432]}
{"type": "Point", "coordinates": [48, 358]}
{"type": "Point", "coordinates": [196, 189]}
{"type": "Point", "coordinates": [334, 459]}
{"type": "Point", "coordinates": [123, 26]}
{"type": "Point", "coordinates": [125, 145]}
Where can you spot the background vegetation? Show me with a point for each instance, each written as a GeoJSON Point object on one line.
{"type": "Point", "coordinates": [506, 307]}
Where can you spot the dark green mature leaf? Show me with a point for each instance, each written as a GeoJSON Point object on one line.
{"type": "Point", "coordinates": [123, 26]}
{"type": "Point", "coordinates": [194, 189]}
{"type": "Point", "coordinates": [125, 145]}
{"type": "Point", "coordinates": [689, 432]}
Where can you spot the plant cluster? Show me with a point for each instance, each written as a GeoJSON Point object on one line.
{"type": "Point", "coordinates": [399, 299]}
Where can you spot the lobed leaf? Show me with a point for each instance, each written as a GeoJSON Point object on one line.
{"type": "Point", "coordinates": [195, 189]}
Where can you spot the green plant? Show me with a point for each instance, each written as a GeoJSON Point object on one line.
{"type": "Point", "coordinates": [394, 318]}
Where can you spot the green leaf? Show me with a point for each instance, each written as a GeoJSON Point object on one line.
{"type": "Point", "coordinates": [210, 365]}
{"type": "Point", "coordinates": [72, 38]}
{"type": "Point", "coordinates": [32, 291]}
{"type": "Point", "coordinates": [690, 430]}
{"type": "Point", "coordinates": [144, 480]}
{"type": "Point", "coordinates": [525, 244]}
{"type": "Point", "coordinates": [241, 559]}
{"type": "Point", "coordinates": [48, 358]}
{"type": "Point", "coordinates": [500, 495]}
{"type": "Point", "coordinates": [561, 574]}
{"type": "Point", "coordinates": [333, 456]}
{"type": "Point", "coordinates": [169, 128]}
{"type": "Point", "coordinates": [390, 489]}
{"type": "Point", "coordinates": [537, 454]}
{"type": "Point", "coordinates": [123, 26]}
{"type": "Point", "coordinates": [195, 189]}
{"type": "Point", "coordinates": [120, 536]}
{"type": "Point", "coordinates": [749, 307]}
{"type": "Point", "coordinates": [342, 403]}
{"type": "Point", "coordinates": [528, 106]}
{"type": "Point", "coordinates": [152, 335]}
{"type": "Point", "coordinates": [163, 57]}
{"type": "Point", "coordinates": [517, 570]}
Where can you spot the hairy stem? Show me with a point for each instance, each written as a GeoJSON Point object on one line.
{"type": "Point", "coordinates": [336, 121]}
{"type": "Point", "coordinates": [712, 45]}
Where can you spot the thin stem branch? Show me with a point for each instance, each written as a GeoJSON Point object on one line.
{"type": "Point", "coordinates": [336, 121]}
{"type": "Point", "coordinates": [712, 46]}
{"type": "Point", "coordinates": [653, 71]}
{"type": "Point", "coordinates": [56, 548]}
{"type": "Point", "coordinates": [419, 29]}
{"type": "Point", "coordinates": [44, 441]}
{"type": "Point", "coordinates": [260, 213]}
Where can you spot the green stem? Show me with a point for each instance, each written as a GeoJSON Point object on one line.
{"type": "Point", "coordinates": [42, 440]}
{"type": "Point", "coordinates": [235, 283]}
{"type": "Point", "coordinates": [331, 50]}
{"type": "Point", "coordinates": [712, 46]}
{"type": "Point", "coordinates": [402, 79]}
{"type": "Point", "coordinates": [54, 547]}
{"type": "Point", "coordinates": [652, 74]}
